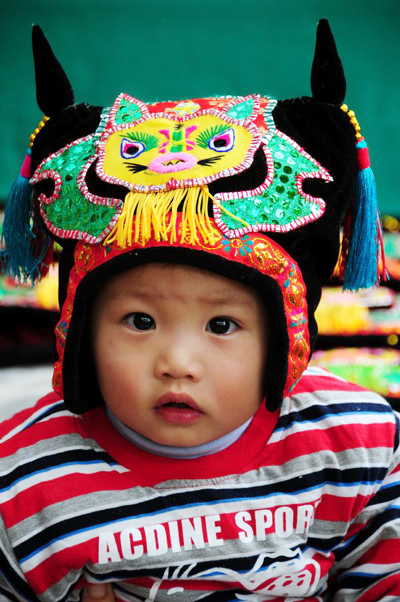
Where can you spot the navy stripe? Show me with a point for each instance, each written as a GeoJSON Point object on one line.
{"type": "Point", "coordinates": [54, 409]}
{"type": "Point", "coordinates": [16, 583]}
{"type": "Point", "coordinates": [6, 595]}
{"type": "Point", "coordinates": [390, 515]}
{"type": "Point", "coordinates": [207, 497]}
{"type": "Point", "coordinates": [322, 412]}
{"type": "Point", "coordinates": [323, 544]}
{"type": "Point", "coordinates": [386, 494]}
{"type": "Point", "coordinates": [397, 434]}
{"type": "Point", "coordinates": [52, 461]}
{"type": "Point", "coordinates": [355, 581]}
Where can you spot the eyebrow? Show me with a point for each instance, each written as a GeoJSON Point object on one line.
{"type": "Point", "coordinates": [223, 299]}
{"type": "Point", "coordinates": [227, 299]}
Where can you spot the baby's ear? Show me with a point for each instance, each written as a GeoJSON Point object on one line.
{"type": "Point", "coordinates": [328, 83]}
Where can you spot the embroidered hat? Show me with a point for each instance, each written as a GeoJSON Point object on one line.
{"type": "Point", "coordinates": [248, 187]}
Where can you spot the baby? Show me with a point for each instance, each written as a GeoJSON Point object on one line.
{"type": "Point", "coordinates": [188, 452]}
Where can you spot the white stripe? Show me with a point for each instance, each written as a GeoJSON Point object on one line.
{"type": "Point", "coordinates": [375, 569]}
{"type": "Point", "coordinates": [322, 398]}
{"type": "Point", "coordinates": [190, 512]}
{"type": "Point", "coordinates": [392, 478]}
{"type": "Point", "coordinates": [32, 417]}
{"type": "Point", "coordinates": [308, 399]}
{"type": "Point", "coordinates": [33, 454]}
{"type": "Point", "coordinates": [16, 568]}
{"type": "Point", "coordinates": [162, 517]}
{"type": "Point", "coordinates": [317, 371]}
{"type": "Point", "coordinates": [393, 529]}
{"type": "Point", "coordinates": [332, 421]}
{"type": "Point", "coordinates": [56, 473]}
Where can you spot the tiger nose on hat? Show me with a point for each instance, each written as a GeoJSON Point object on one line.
{"type": "Point", "coordinates": [171, 162]}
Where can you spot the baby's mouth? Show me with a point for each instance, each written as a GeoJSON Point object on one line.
{"type": "Point", "coordinates": [177, 408]}
{"type": "Point", "coordinates": [174, 404]}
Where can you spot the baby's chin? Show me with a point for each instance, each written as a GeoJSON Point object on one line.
{"type": "Point", "coordinates": [185, 436]}
{"type": "Point", "coordinates": [183, 440]}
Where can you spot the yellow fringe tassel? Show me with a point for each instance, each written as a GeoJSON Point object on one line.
{"type": "Point", "coordinates": [152, 210]}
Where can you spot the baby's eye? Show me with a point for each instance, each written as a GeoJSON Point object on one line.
{"type": "Point", "coordinates": [131, 149]}
{"type": "Point", "coordinates": [139, 321]}
{"type": "Point", "coordinates": [221, 325]}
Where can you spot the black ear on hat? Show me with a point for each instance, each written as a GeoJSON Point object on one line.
{"type": "Point", "coordinates": [328, 83]}
{"type": "Point", "coordinates": [53, 90]}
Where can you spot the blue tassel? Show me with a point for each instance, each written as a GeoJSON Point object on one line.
{"type": "Point", "coordinates": [364, 247]}
{"type": "Point", "coordinates": [21, 256]}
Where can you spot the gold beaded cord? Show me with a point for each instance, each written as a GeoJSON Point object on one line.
{"type": "Point", "coordinates": [353, 120]}
{"type": "Point", "coordinates": [41, 125]}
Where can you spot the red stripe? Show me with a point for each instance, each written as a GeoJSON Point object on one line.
{"type": "Point", "coordinates": [336, 439]}
{"type": "Point", "coordinates": [28, 502]}
{"type": "Point", "coordinates": [386, 551]}
{"type": "Point", "coordinates": [341, 509]}
{"type": "Point", "coordinates": [11, 423]}
{"type": "Point", "coordinates": [55, 426]}
{"type": "Point", "coordinates": [56, 568]}
{"type": "Point", "coordinates": [387, 586]}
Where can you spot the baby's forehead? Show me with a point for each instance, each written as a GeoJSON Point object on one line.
{"type": "Point", "coordinates": [159, 280]}
{"type": "Point", "coordinates": [149, 271]}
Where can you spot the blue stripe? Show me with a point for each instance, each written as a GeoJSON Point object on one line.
{"type": "Point", "coordinates": [327, 415]}
{"type": "Point", "coordinates": [385, 518]}
{"type": "Point", "coordinates": [390, 485]}
{"type": "Point", "coordinates": [50, 469]}
{"type": "Point", "coordinates": [173, 508]}
{"type": "Point", "coordinates": [368, 575]}
{"type": "Point", "coordinates": [45, 412]}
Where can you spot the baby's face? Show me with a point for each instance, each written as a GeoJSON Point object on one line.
{"type": "Point", "coordinates": [180, 352]}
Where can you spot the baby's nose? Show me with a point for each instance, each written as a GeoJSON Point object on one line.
{"type": "Point", "coordinates": [179, 360]}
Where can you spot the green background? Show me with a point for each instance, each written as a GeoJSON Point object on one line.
{"type": "Point", "coordinates": [181, 49]}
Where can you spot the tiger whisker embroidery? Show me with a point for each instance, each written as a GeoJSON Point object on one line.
{"type": "Point", "coordinates": [134, 167]}
{"type": "Point", "coordinates": [209, 161]}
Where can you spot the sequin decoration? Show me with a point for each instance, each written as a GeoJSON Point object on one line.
{"type": "Point", "coordinates": [243, 110]}
{"type": "Point", "coordinates": [127, 112]}
{"type": "Point", "coordinates": [71, 211]}
{"type": "Point", "coordinates": [283, 205]}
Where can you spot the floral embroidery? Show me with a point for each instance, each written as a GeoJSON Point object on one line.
{"type": "Point", "coordinates": [242, 246]}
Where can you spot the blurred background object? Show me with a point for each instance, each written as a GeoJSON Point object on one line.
{"type": "Point", "coordinates": [359, 333]}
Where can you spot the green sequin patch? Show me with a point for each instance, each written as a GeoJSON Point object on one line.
{"type": "Point", "coordinates": [72, 211]}
{"type": "Point", "coordinates": [280, 204]}
{"type": "Point", "coordinates": [127, 112]}
{"type": "Point", "coordinates": [242, 110]}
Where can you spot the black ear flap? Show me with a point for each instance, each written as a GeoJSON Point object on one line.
{"type": "Point", "coordinates": [328, 83]}
{"type": "Point", "coordinates": [53, 90]}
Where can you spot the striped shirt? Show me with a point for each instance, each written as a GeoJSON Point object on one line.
{"type": "Point", "coordinates": [304, 506]}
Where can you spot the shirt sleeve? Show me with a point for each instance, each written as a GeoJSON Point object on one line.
{"type": "Point", "coordinates": [368, 562]}
{"type": "Point", "coordinates": [13, 585]}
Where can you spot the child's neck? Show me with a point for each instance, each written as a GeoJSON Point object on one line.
{"type": "Point", "coordinates": [169, 451]}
